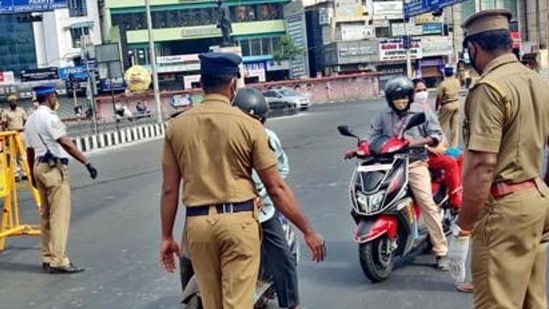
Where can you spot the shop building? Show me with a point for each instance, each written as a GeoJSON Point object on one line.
{"type": "Point", "coordinates": [184, 29]}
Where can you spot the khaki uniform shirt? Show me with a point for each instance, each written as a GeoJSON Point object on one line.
{"type": "Point", "coordinates": [448, 90]}
{"type": "Point", "coordinates": [14, 119]}
{"type": "Point", "coordinates": [514, 126]}
{"type": "Point", "coordinates": [215, 146]}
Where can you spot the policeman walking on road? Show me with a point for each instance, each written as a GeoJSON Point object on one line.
{"type": "Point", "coordinates": [212, 148]}
{"type": "Point", "coordinates": [48, 148]}
{"type": "Point", "coordinates": [505, 203]}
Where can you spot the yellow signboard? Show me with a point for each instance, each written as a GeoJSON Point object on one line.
{"type": "Point", "coordinates": [427, 18]}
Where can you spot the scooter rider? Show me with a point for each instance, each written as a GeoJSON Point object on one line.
{"type": "Point", "coordinates": [279, 260]}
{"type": "Point", "coordinates": [399, 93]}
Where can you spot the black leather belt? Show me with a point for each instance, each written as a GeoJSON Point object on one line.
{"type": "Point", "coordinates": [64, 161]}
{"type": "Point", "coordinates": [221, 208]}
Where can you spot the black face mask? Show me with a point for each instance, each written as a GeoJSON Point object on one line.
{"type": "Point", "coordinates": [473, 62]}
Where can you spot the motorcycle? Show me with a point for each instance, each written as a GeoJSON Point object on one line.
{"type": "Point", "coordinates": [383, 206]}
{"type": "Point", "coordinates": [264, 292]}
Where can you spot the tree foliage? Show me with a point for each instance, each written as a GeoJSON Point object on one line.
{"type": "Point", "coordinates": [286, 50]}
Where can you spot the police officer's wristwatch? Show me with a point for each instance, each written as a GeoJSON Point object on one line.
{"type": "Point", "coordinates": [458, 232]}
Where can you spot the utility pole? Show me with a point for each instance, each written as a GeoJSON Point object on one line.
{"type": "Point", "coordinates": [407, 40]}
{"type": "Point", "coordinates": [152, 59]}
{"type": "Point", "coordinates": [91, 79]}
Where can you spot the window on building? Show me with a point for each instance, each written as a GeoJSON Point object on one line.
{"type": "Point", "coordinates": [245, 46]}
{"type": "Point", "coordinates": [76, 35]}
{"type": "Point", "coordinates": [258, 12]}
{"type": "Point", "coordinates": [266, 47]}
{"type": "Point", "coordinates": [77, 8]}
{"type": "Point", "coordinates": [255, 47]}
{"type": "Point", "coordinates": [259, 47]}
{"type": "Point", "coordinates": [159, 19]}
{"type": "Point", "coordinates": [383, 32]}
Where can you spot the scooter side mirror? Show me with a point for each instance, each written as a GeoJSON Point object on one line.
{"type": "Point", "coordinates": [415, 120]}
{"type": "Point", "coordinates": [346, 131]}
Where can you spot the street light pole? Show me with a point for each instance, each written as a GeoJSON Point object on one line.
{"type": "Point", "coordinates": [152, 60]}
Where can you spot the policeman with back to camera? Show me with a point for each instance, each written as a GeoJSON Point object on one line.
{"type": "Point", "coordinates": [391, 122]}
{"type": "Point", "coordinates": [48, 147]}
{"type": "Point", "coordinates": [211, 150]}
{"type": "Point", "coordinates": [275, 250]}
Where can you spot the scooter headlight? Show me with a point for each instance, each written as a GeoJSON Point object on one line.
{"type": "Point", "coordinates": [376, 200]}
{"type": "Point", "coordinates": [370, 203]}
{"type": "Point", "coordinates": [362, 201]}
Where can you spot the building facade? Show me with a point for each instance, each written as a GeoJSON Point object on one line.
{"type": "Point", "coordinates": [529, 27]}
{"type": "Point", "coordinates": [183, 29]}
{"type": "Point", "coordinates": [351, 36]}
{"type": "Point", "coordinates": [37, 46]}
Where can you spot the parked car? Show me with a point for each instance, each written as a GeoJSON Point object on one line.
{"type": "Point", "coordinates": [287, 96]}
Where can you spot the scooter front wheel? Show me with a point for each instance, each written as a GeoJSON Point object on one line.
{"type": "Point", "coordinates": [377, 258]}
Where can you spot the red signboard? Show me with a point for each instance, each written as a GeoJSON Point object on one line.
{"type": "Point", "coordinates": [515, 39]}
{"type": "Point", "coordinates": [1, 77]}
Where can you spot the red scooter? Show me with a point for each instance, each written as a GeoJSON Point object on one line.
{"type": "Point", "coordinates": [383, 206]}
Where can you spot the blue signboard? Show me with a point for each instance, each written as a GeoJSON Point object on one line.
{"type": "Point", "coordinates": [28, 6]}
{"type": "Point", "coordinates": [428, 28]}
{"type": "Point", "coordinates": [417, 7]}
{"type": "Point", "coordinates": [78, 72]}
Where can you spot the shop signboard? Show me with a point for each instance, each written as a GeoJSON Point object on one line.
{"type": "Point", "coordinates": [7, 78]}
{"type": "Point", "coordinates": [387, 10]}
{"type": "Point", "coordinates": [393, 49]}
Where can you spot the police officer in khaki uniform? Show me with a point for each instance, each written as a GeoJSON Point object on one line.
{"type": "Point", "coordinates": [212, 148]}
{"type": "Point", "coordinates": [13, 118]}
{"type": "Point", "coordinates": [505, 204]}
{"type": "Point", "coordinates": [48, 148]}
{"type": "Point", "coordinates": [447, 104]}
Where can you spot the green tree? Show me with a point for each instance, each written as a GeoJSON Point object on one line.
{"type": "Point", "coordinates": [286, 50]}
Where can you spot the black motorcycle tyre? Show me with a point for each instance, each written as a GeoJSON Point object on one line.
{"type": "Point", "coordinates": [370, 263]}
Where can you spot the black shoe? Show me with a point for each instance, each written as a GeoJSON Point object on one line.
{"type": "Point", "coordinates": [46, 267]}
{"type": "Point", "coordinates": [69, 269]}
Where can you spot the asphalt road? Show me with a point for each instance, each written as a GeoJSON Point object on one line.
{"type": "Point", "coordinates": [115, 232]}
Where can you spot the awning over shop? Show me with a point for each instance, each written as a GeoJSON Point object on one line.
{"type": "Point", "coordinates": [80, 24]}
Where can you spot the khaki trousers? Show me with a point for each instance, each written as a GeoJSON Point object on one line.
{"type": "Point", "coordinates": [225, 254]}
{"type": "Point", "coordinates": [508, 261]}
{"type": "Point", "coordinates": [449, 120]}
{"type": "Point", "coordinates": [55, 193]}
{"type": "Point", "coordinates": [420, 183]}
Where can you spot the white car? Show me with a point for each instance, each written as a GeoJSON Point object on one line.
{"type": "Point", "coordinates": [287, 96]}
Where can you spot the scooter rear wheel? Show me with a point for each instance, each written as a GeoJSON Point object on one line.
{"type": "Point", "coordinates": [376, 258]}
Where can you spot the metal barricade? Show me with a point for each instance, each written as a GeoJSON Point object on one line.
{"type": "Point", "coordinates": [12, 150]}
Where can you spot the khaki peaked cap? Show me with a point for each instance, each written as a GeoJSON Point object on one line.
{"type": "Point", "coordinates": [487, 20]}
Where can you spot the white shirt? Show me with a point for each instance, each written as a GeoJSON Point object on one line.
{"type": "Point", "coordinates": [46, 123]}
